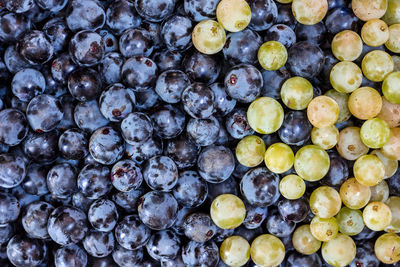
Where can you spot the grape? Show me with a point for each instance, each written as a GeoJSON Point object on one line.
{"type": "Point", "coordinates": [233, 15]}
{"type": "Point", "coordinates": [387, 248]}
{"type": "Point", "coordinates": [267, 250]}
{"type": "Point", "coordinates": [342, 99]}
{"type": "Point", "coordinates": [365, 103]}
{"type": "Point", "coordinates": [284, 1]}
{"type": "Point", "coordinates": [350, 145]}
{"type": "Point", "coordinates": [292, 187]}
{"type": "Point", "coordinates": [265, 115]}
{"type": "Point", "coordinates": [309, 12]}
{"type": "Point", "coordinates": [325, 202]}
{"type": "Point", "coordinates": [391, 87]}
{"type": "Point", "coordinates": [379, 192]}
{"type": "Point", "coordinates": [304, 242]}
{"type": "Point", "coordinates": [323, 111]}
{"type": "Point", "coordinates": [227, 211]}
{"type": "Point", "coordinates": [396, 61]}
{"type": "Point", "coordinates": [392, 14]}
{"type": "Point", "coordinates": [375, 133]}
{"type": "Point", "coordinates": [350, 221]}
{"type": "Point", "coordinates": [339, 251]}
{"type": "Point", "coordinates": [376, 65]}
{"type": "Point", "coordinates": [208, 37]}
{"type": "Point", "coordinates": [393, 44]}
{"type": "Point", "coordinates": [326, 137]}
{"type": "Point", "coordinates": [377, 216]}
{"type": "Point", "coordinates": [347, 45]}
{"type": "Point", "coordinates": [392, 147]}
{"type": "Point", "coordinates": [367, 10]}
{"type": "Point", "coordinates": [272, 55]}
{"type": "Point", "coordinates": [297, 93]}
{"type": "Point", "coordinates": [346, 77]}
{"type": "Point", "coordinates": [279, 158]}
{"type": "Point", "coordinates": [394, 205]}
{"type": "Point", "coordinates": [390, 112]}
{"type": "Point", "coordinates": [250, 151]}
{"type": "Point", "coordinates": [354, 195]}
{"type": "Point", "coordinates": [235, 251]}
{"type": "Point", "coordinates": [369, 170]}
{"type": "Point", "coordinates": [375, 32]}
{"type": "Point", "coordinates": [311, 163]}
{"type": "Point", "coordinates": [324, 229]}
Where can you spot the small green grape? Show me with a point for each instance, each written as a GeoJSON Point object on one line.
{"type": "Point", "coordinates": [235, 251]}
{"type": "Point", "coordinates": [350, 145]}
{"type": "Point", "coordinates": [365, 103]}
{"type": "Point", "coordinates": [394, 204]}
{"type": "Point", "coordinates": [309, 12]}
{"type": "Point", "coordinates": [390, 165]}
{"type": "Point", "coordinates": [250, 151]}
{"type": "Point", "coordinates": [326, 137]}
{"type": "Point", "coordinates": [323, 111]}
{"type": "Point", "coordinates": [350, 221]}
{"type": "Point", "coordinates": [375, 32]}
{"type": "Point", "coordinates": [367, 9]}
{"type": "Point", "coordinates": [354, 195]}
{"type": "Point", "coordinates": [311, 163]}
{"type": "Point", "coordinates": [375, 133]}
{"type": "Point", "coordinates": [393, 44]}
{"type": "Point", "coordinates": [347, 45]}
{"type": "Point", "coordinates": [227, 211]}
{"type": "Point", "coordinates": [392, 15]}
{"type": "Point", "coordinates": [346, 77]}
{"type": "Point", "coordinates": [340, 251]}
{"type": "Point", "coordinates": [391, 149]}
{"type": "Point", "coordinates": [387, 248]}
{"type": "Point", "coordinates": [265, 115]}
{"type": "Point", "coordinates": [208, 37]}
{"type": "Point", "coordinates": [325, 202]}
{"type": "Point", "coordinates": [297, 93]}
{"type": "Point", "coordinates": [342, 99]}
{"type": "Point", "coordinates": [379, 192]}
{"type": "Point", "coordinates": [292, 186]}
{"type": "Point", "coordinates": [324, 229]}
{"type": "Point", "coordinates": [376, 65]}
{"type": "Point", "coordinates": [369, 170]}
{"type": "Point", "coordinates": [304, 241]}
{"type": "Point", "coordinates": [391, 87]}
{"type": "Point", "coordinates": [279, 158]}
{"type": "Point", "coordinates": [272, 55]}
{"type": "Point", "coordinates": [267, 250]}
{"type": "Point", "coordinates": [377, 216]}
{"type": "Point", "coordinates": [233, 15]}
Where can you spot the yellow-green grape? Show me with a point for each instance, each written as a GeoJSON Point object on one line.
{"type": "Point", "coordinates": [325, 202]}
{"type": "Point", "coordinates": [390, 165]}
{"type": "Point", "coordinates": [346, 77]}
{"type": "Point", "coordinates": [292, 186]}
{"type": "Point", "coordinates": [350, 145]}
{"type": "Point", "coordinates": [304, 241]}
{"type": "Point", "coordinates": [297, 93]}
{"type": "Point", "coordinates": [390, 113]}
{"type": "Point", "coordinates": [369, 170]}
{"type": "Point", "coordinates": [367, 9]}
{"type": "Point", "coordinates": [284, 1]}
{"type": "Point", "coordinates": [354, 195]}
{"type": "Point", "coordinates": [391, 87]}
{"type": "Point", "coordinates": [393, 44]}
{"type": "Point", "coordinates": [265, 115]}
{"type": "Point", "coordinates": [375, 133]}
{"type": "Point", "coordinates": [350, 221]}
{"type": "Point", "coordinates": [392, 15]}
{"type": "Point", "coordinates": [340, 251]}
{"type": "Point", "coordinates": [233, 15]}
{"type": "Point", "coordinates": [279, 158]}
{"type": "Point", "coordinates": [377, 216]}
{"type": "Point", "coordinates": [379, 192]}
{"type": "Point", "coordinates": [272, 55]}
{"type": "Point", "coordinates": [323, 111]}
{"type": "Point", "coordinates": [250, 151]}
{"type": "Point", "coordinates": [309, 12]}
{"type": "Point", "coordinates": [208, 37]}
{"type": "Point", "coordinates": [375, 32]}
{"type": "Point", "coordinates": [227, 211]}
{"type": "Point", "coordinates": [396, 61]}
{"type": "Point", "coordinates": [235, 251]}
{"type": "Point", "coordinates": [311, 163]}
{"type": "Point", "coordinates": [394, 205]}
{"type": "Point", "coordinates": [324, 229]}
{"type": "Point", "coordinates": [267, 250]}
{"type": "Point", "coordinates": [326, 137]}
{"type": "Point", "coordinates": [392, 147]}
{"type": "Point", "coordinates": [347, 45]}
{"type": "Point", "coordinates": [387, 248]}
{"type": "Point", "coordinates": [365, 103]}
{"type": "Point", "coordinates": [376, 65]}
{"type": "Point", "coordinates": [342, 99]}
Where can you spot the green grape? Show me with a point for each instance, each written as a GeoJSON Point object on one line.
{"type": "Point", "coordinates": [324, 229]}
{"type": "Point", "coordinates": [292, 186]}
{"type": "Point", "coordinates": [392, 15]}
{"type": "Point", "coordinates": [250, 151]}
{"type": "Point", "coordinates": [347, 45]}
{"type": "Point", "coordinates": [346, 77]}
{"type": "Point", "coordinates": [377, 216]}
{"type": "Point", "coordinates": [350, 221]}
{"type": "Point", "coordinates": [367, 9]}
{"type": "Point", "coordinates": [396, 61]}
{"type": "Point", "coordinates": [235, 251]}
{"type": "Point", "coordinates": [394, 205]}
{"type": "Point", "coordinates": [369, 170]}
{"type": "Point", "coordinates": [326, 137]}
{"type": "Point", "coordinates": [393, 44]}
{"type": "Point", "coordinates": [279, 158]}
{"type": "Point", "coordinates": [391, 149]}
{"type": "Point", "coordinates": [311, 163]}
{"type": "Point", "coordinates": [390, 165]}
{"type": "Point", "coordinates": [354, 195]}
{"type": "Point", "coordinates": [350, 145]}
{"type": "Point", "coordinates": [379, 192]}
{"type": "Point", "coordinates": [376, 65]}
{"type": "Point", "coordinates": [208, 37]}
{"type": "Point", "coordinates": [375, 133]}
{"type": "Point", "coordinates": [375, 32]}
{"type": "Point", "coordinates": [303, 240]}
{"type": "Point", "coordinates": [323, 111]}
{"type": "Point", "coordinates": [272, 55]}
{"type": "Point", "coordinates": [309, 12]}
{"type": "Point", "coordinates": [227, 211]}
{"type": "Point", "coordinates": [233, 15]}
{"type": "Point", "coordinates": [391, 87]}
{"type": "Point", "coordinates": [265, 115]}
{"type": "Point", "coordinates": [267, 250]}
{"type": "Point", "coordinates": [387, 248]}
{"type": "Point", "coordinates": [390, 113]}
{"type": "Point", "coordinates": [325, 202]}
{"type": "Point", "coordinates": [296, 93]}
{"type": "Point", "coordinates": [340, 251]}
{"type": "Point", "coordinates": [342, 99]}
{"type": "Point", "coordinates": [365, 103]}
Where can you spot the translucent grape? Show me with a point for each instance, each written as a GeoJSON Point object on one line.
{"type": "Point", "coordinates": [208, 37]}
{"type": "Point", "coordinates": [379, 192]}
{"type": "Point", "coordinates": [350, 145]}
{"type": "Point", "coordinates": [376, 65]}
{"type": "Point", "coordinates": [265, 115]}
{"type": "Point", "coordinates": [369, 170]}
{"type": "Point", "coordinates": [391, 87]}
{"type": "Point", "coordinates": [227, 211]}
{"type": "Point", "coordinates": [272, 55]}
{"type": "Point", "coordinates": [365, 103]}
{"type": "Point", "coordinates": [325, 202]}
{"type": "Point", "coordinates": [392, 147]}
{"type": "Point", "coordinates": [326, 137]}
{"type": "Point", "coordinates": [342, 99]}
{"type": "Point", "coordinates": [390, 164]}
{"type": "Point", "coordinates": [367, 9]}
{"type": "Point", "coordinates": [390, 112]}
{"type": "Point", "coordinates": [324, 229]}
{"type": "Point", "coordinates": [250, 151]}
{"type": "Point", "coordinates": [346, 77]}
{"type": "Point", "coordinates": [387, 248]}
{"type": "Point", "coordinates": [279, 158]}
{"type": "Point", "coordinates": [375, 133]}
{"type": "Point", "coordinates": [297, 93]}
{"type": "Point", "coordinates": [267, 250]}
{"type": "Point", "coordinates": [350, 221]}
{"type": "Point", "coordinates": [354, 195]}
{"type": "Point", "coordinates": [375, 32]}
{"type": "Point", "coordinates": [309, 12]}
{"type": "Point", "coordinates": [339, 251]}
{"type": "Point", "coordinates": [393, 44]}
{"type": "Point", "coordinates": [323, 111]}
{"type": "Point", "coordinates": [347, 45]}
{"type": "Point", "coordinates": [292, 187]}
{"type": "Point", "coordinates": [392, 15]}
{"type": "Point", "coordinates": [394, 205]}
{"type": "Point", "coordinates": [377, 216]}
{"type": "Point", "coordinates": [235, 251]}
{"type": "Point", "coordinates": [233, 15]}
{"type": "Point", "coordinates": [311, 163]}
{"type": "Point", "coordinates": [303, 240]}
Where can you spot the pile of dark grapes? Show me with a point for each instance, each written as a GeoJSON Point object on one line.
{"type": "Point", "coordinates": [199, 133]}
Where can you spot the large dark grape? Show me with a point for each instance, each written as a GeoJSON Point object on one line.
{"type": "Point", "coordinates": [154, 10]}
{"type": "Point", "coordinates": [28, 83]}
{"type": "Point", "coordinates": [126, 175]}
{"type": "Point", "coordinates": [293, 210]}
{"type": "Point", "coordinates": [106, 145]}
{"type": "Point", "coordinates": [9, 208]}
{"type": "Point", "coordinates": [255, 216]}
{"type": "Point", "coordinates": [136, 42]}
{"type": "Point", "coordinates": [160, 173]}
{"type": "Point", "coordinates": [57, 31]}
{"type": "Point", "coordinates": [296, 129]}
{"type": "Point", "coordinates": [24, 251]}
{"type": "Point", "coordinates": [103, 215]}
{"type": "Point", "coordinates": [168, 121]}
{"type": "Point", "coordinates": [191, 190]}
{"type": "Point", "coordinates": [237, 125]}
{"type": "Point", "coordinates": [34, 219]}
{"type": "Point", "coordinates": [125, 257]}
{"type": "Point", "coordinates": [199, 10]}
{"type": "Point", "coordinates": [13, 26]}
{"type": "Point", "coordinates": [84, 84]}
{"type": "Point", "coordinates": [35, 180]}
{"type": "Point", "coordinates": [163, 245]}
{"type": "Point", "coordinates": [41, 147]}
{"type": "Point", "coordinates": [122, 15]}
{"type": "Point", "coordinates": [94, 181]}
{"type": "Point", "coordinates": [85, 15]}
{"type": "Point", "coordinates": [274, 81]}
{"type": "Point", "coordinates": [111, 67]}
{"type": "Point", "coordinates": [263, 14]}
{"type": "Point", "coordinates": [278, 226]}
{"type": "Point", "coordinates": [87, 48]}
{"type": "Point", "coordinates": [117, 110]}
{"type": "Point", "coordinates": [13, 169]}
{"type": "Point", "coordinates": [203, 132]}
{"type": "Point", "coordinates": [340, 19]}
{"type": "Point", "coordinates": [176, 33]}
{"type": "Point", "coordinates": [305, 59]}
{"type": "Point", "coordinates": [98, 244]}
{"type": "Point", "coordinates": [141, 152]}
{"type": "Point", "coordinates": [88, 117]}
{"type": "Point", "coordinates": [61, 180]}
{"type": "Point", "coordinates": [72, 144]}
{"type": "Point", "coordinates": [200, 254]}
{"type": "Point", "coordinates": [128, 200]}
{"type": "Point", "coordinates": [198, 100]}
{"type": "Point", "coordinates": [139, 73]}
{"type": "Point", "coordinates": [35, 47]}
{"type": "Point", "coordinates": [71, 255]}
{"type": "Point", "coordinates": [200, 67]}
{"type": "Point", "coordinates": [167, 60]}
{"type": "Point", "coordinates": [216, 163]}
{"type": "Point", "coordinates": [183, 152]}
{"type": "Point", "coordinates": [281, 33]}
{"type": "Point", "coordinates": [170, 85]}
{"type": "Point", "coordinates": [199, 227]}
{"type": "Point", "coordinates": [311, 33]}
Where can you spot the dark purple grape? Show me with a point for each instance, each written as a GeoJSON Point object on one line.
{"type": "Point", "coordinates": [139, 73]}
{"type": "Point", "coordinates": [200, 67]}
{"type": "Point", "coordinates": [110, 41]}
{"type": "Point", "coordinates": [216, 163]}
{"type": "Point", "coordinates": [168, 121]}
{"type": "Point", "coordinates": [41, 147]}
{"type": "Point", "coordinates": [243, 83]}
{"type": "Point", "coordinates": [167, 60]}
{"type": "Point", "coordinates": [278, 226]}
{"type": "Point", "coordinates": [13, 26]}
{"type": "Point", "coordinates": [275, 79]}
{"type": "Point", "coordinates": [13, 127]}
{"type": "Point", "coordinates": [338, 171]}
{"type": "Point", "coordinates": [73, 144]}
{"type": "Point", "coordinates": [122, 15]}
{"type": "Point", "coordinates": [128, 258]}
{"type": "Point", "coordinates": [160, 173]}
{"type": "Point", "coordinates": [285, 15]}
{"type": "Point", "coordinates": [9, 208]}
{"type": "Point", "coordinates": [71, 255]}
{"type": "Point", "coordinates": [44, 113]}
{"type": "Point", "coordinates": [237, 125]}
{"type": "Point", "coordinates": [176, 33]}
{"type": "Point", "coordinates": [203, 132]}
{"type": "Point", "coordinates": [80, 201]}
{"type": "Point", "coordinates": [164, 245]}
{"type": "Point", "coordinates": [35, 180]}
{"type": "Point", "coordinates": [131, 233]}
{"type": "Point", "coordinates": [199, 10]}
{"type": "Point", "coordinates": [34, 219]}
{"type": "Point", "coordinates": [200, 254]}
{"type": "Point", "coordinates": [281, 33]}
{"type": "Point", "coordinates": [25, 251]}
{"type": "Point", "coordinates": [340, 19]}
{"type": "Point", "coordinates": [141, 152]}
{"type": "Point", "coordinates": [136, 42]}
{"type": "Point", "coordinates": [61, 180]}
{"type": "Point", "coordinates": [37, 14]}
{"type": "Point", "coordinates": [199, 227]}
{"type": "Point", "coordinates": [263, 14]}
{"type": "Point", "coordinates": [296, 259]}
{"type": "Point", "coordinates": [311, 33]}
{"type": "Point", "coordinates": [128, 200]}
{"type": "Point", "coordinates": [94, 181]}
{"type": "Point", "coordinates": [296, 129]}
{"type": "Point", "coordinates": [28, 83]}
{"type": "Point", "coordinates": [87, 48]}
{"type": "Point", "coordinates": [177, 262]}
{"type": "Point", "coordinates": [293, 210]}
{"type": "Point", "coordinates": [126, 175]}
{"type": "Point", "coordinates": [191, 190]}
{"type": "Point", "coordinates": [223, 102]}
{"type": "Point", "coordinates": [103, 215]}
{"type": "Point", "coordinates": [365, 255]}
{"type": "Point", "coordinates": [180, 219]}
{"type": "Point", "coordinates": [35, 47]}
{"type": "Point", "coordinates": [198, 100]}
{"type": "Point", "coordinates": [110, 68]}
{"type": "Point", "coordinates": [85, 15]}
{"type": "Point", "coordinates": [62, 67]}
{"type": "Point", "coordinates": [305, 59]}
{"type": "Point", "coordinates": [255, 216]}
{"type": "Point", "coordinates": [57, 31]}
{"type": "Point", "coordinates": [155, 32]}
{"type": "Point", "coordinates": [146, 100]}
{"type": "Point", "coordinates": [98, 244]}
{"type": "Point", "coordinates": [6, 232]}
{"type": "Point", "coordinates": [13, 60]}
{"type": "Point", "coordinates": [13, 169]}
{"type": "Point", "coordinates": [155, 10]}
{"type": "Point", "coordinates": [117, 110]}
{"type": "Point", "coordinates": [88, 117]}
{"type": "Point", "coordinates": [170, 84]}
{"type": "Point", "coordinates": [106, 145]}
{"type": "Point", "coordinates": [183, 152]}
